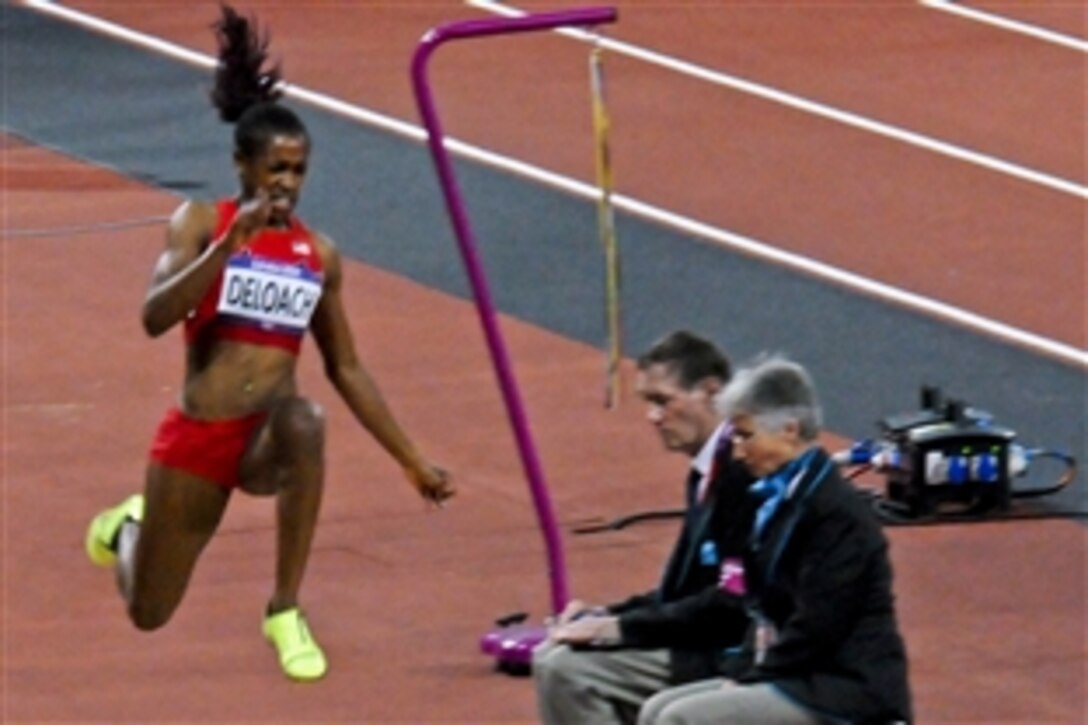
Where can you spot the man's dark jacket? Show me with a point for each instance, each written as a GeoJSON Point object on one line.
{"type": "Point", "coordinates": [688, 613]}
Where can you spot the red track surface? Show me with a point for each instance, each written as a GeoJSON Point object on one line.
{"type": "Point", "coordinates": [994, 614]}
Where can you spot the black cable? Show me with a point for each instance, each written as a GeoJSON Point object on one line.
{"type": "Point", "coordinates": [893, 514]}
{"type": "Point", "coordinates": [1064, 480]}
{"type": "Point", "coordinates": [624, 521]}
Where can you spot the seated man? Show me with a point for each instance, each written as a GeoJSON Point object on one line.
{"type": "Point", "coordinates": [601, 663]}
{"type": "Point", "coordinates": [826, 644]}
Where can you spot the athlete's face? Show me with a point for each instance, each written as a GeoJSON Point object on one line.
{"type": "Point", "coordinates": [279, 172]}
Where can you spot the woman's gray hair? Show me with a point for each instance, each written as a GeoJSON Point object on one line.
{"type": "Point", "coordinates": [774, 390]}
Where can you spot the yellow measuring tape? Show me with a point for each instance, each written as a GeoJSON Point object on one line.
{"type": "Point", "coordinates": [607, 227]}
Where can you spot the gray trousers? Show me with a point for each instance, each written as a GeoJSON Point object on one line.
{"type": "Point", "coordinates": [711, 702]}
{"type": "Point", "coordinates": [595, 687]}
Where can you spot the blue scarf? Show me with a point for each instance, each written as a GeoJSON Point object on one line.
{"type": "Point", "coordinates": [773, 489]}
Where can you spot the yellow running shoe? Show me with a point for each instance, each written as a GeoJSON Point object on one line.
{"type": "Point", "coordinates": [300, 656]}
{"type": "Point", "coordinates": [101, 542]}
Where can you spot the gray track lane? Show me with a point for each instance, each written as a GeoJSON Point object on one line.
{"type": "Point", "coordinates": [147, 117]}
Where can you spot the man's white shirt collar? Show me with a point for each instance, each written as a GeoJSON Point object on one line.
{"type": "Point", "coordinates": [705, 458]}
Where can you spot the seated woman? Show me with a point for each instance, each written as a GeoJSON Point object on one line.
{"type": "Point", "coordinates": [825, 644]}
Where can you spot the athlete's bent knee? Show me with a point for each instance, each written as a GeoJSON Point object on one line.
{"type": "Point", "coordinates": [299, 425]}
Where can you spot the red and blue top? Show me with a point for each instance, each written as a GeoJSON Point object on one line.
{"type": "Point", "coordinates": [266, 293]}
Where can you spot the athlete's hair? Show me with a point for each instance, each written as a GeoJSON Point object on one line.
{"type": "Point", "coordinates": [774, 390]}
{"type": "Point", "coordinates": [689, 357]}
{"type": "Point", "coordinates": [245, 93]}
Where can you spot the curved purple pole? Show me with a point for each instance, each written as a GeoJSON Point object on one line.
{"type": "Point", "coordinates": [515, 410]}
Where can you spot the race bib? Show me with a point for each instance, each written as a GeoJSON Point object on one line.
{"type": "Point", "coordinates": [270, 295]}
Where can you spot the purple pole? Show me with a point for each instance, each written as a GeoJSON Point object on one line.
{"type": "Point", "coordinates": [515, 410]}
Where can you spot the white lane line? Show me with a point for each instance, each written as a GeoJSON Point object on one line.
{"type": "Point", "coordinates": [808, 106]}
{"type": "Point", "coordinates": [1016, 26]}
{"type": "Point", "coordinates": [122, 33]}
{"type": "Point", "coordinates": [730, 240]}
{"type": "Point", "coordinates": [858, 283]}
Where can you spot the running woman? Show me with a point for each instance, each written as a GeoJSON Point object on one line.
{"type": "Point", "coordinates": [247, 279]}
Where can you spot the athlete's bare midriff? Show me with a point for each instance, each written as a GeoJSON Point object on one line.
{"type": "Point", "coordinates": [227, 379]}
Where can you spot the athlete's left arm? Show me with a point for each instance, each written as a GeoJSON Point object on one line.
{"type": "Point", "coordinates": [358, 389]}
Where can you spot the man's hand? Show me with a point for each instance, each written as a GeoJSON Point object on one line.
{"type": "Point", "coordinates": [575, 608]}
{"type": "Point", "coordinates": [591, 630]}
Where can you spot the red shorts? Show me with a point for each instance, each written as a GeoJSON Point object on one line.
{"type": "Point", "coordinates": [211, 449]}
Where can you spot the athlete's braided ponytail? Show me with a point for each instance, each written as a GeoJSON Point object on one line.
{"type": "Point", "coordinates": [245, 93]}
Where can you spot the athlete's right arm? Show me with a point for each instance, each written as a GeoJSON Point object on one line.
{"type": "Point", "coordinates": [189, 264]}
